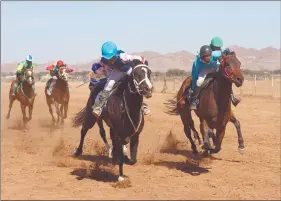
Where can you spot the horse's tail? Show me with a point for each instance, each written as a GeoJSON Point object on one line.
{"type": "Point", "coordinates": [79, 118]}
{"type": "Point", "coordinates": [180, 96]}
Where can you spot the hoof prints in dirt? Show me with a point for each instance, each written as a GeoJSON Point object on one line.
{"type": "Point", "coordinates": [97, 172]}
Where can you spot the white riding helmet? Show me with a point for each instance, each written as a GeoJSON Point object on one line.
{"type": "Point", "coordinates": [29, 58]}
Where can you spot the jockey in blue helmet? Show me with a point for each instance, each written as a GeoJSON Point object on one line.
{"type": "Point", "coordinates": [120, 63]}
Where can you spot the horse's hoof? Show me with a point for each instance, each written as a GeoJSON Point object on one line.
{"type": "Point", "coordinates": [214, 151]}
{"type": "Point", "coordinates": [120, 179]}
{"type": "Point", "coordinates": [77, 153]}
{"type": "Point", "coordinates": [8, 117]}
{"type": "Point", "coordinates": [241, 150]}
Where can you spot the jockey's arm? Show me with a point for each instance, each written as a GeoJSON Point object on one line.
{"type": "Point", "coordinates": [128, 57]}
{"type": "Point", "coordinates": [19, 67]}
{"type": "Point", "coordinates": [194, 74]}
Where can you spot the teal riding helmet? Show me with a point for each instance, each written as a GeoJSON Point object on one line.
{"type": "Point", "coordinates": [217, 42]}
{"type": "Point", "coordinates": [108, 50]}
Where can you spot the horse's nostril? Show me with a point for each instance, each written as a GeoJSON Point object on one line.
{"type": "Point", "coordinates": [238, 79]}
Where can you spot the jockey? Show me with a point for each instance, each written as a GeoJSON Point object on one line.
{"type": "Point", "coordinates": [216, 46]}
{"type": "Point", "coordinates": [54, 69]}
{"type": "Point", "coordinates": [119, 62]}
{"type": "Point", "coordinates": [204, 64]}
{"type": "Point", "coordinates": [98, 74]}
{"type": "Point", "coordinates": [22, 66]}
{"type": "Point", "coordinates": [98, 79]}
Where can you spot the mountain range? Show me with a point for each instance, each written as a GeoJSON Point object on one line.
{"type": "Point", "coordinates": [252, 59]}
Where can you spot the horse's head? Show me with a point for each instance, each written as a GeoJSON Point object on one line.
{"type": "Point", "coordinates": [141, 78]}
{"type": "Point", "coordinates": [62, 73]}
{"type": "Point", "coordinates": [28, 76]}
{"type": "Point", "coordinates": [230, 67]}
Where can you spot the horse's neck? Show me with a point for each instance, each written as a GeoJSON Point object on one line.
{"type": "Point", "coordinates": [134, 103]}
{"type": "Point", "coordinates": [27, 89]}
{"type": "Point", "coordinates": [222, 91]}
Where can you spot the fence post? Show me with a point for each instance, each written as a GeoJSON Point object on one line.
{"type": "Point", "coordinates": [165, 86]}
{"type": "Point", "coordinates": [255, 87]}
{"type": "Point", "coordinates": [272, 85]}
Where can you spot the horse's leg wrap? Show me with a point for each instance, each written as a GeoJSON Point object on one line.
{"type": "Point", "coordinates": [235, 101]}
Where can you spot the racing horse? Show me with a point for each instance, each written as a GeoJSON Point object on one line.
{"type": "Point", "coordinates": [59, 97]}
{"type": "Point", "coordinates": [25, 95]}
{"type": "Point", "coordinates": [214, 109]}
{"type": "Point", "coordinates": [123, 114]}
{"type": "Point", "coordinates": [181, 98]}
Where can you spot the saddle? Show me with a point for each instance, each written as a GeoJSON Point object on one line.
{"type": "Point", "coordinates": [208, 80]}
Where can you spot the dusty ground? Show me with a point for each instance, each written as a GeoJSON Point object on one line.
{"type": "Point", "coordinates": [37, 164]}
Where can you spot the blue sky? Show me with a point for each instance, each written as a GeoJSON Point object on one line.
{"type": "Point", "coordinates": [75, 30]}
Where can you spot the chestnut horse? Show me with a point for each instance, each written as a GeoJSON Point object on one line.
{"type": "Point", "coordinates": [59, 97]}
{"type": "Point", "coordinates": [24, 94]}
{"type": "Point", "coordinates": [214, 109]}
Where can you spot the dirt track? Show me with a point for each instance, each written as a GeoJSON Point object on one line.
{"type": "Point", "coordinates": [37, 164]}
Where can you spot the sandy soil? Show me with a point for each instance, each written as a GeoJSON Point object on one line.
{"type": "Point", "coordinates": [38, 164]}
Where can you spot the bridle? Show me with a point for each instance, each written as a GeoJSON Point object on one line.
{"type": "Point", "coordinates": [61, 73]}
{"type": "Point", "coordinates": [137, 84]}
{"type": "Point", "coordinates": [25, 78]}
{"type": "Point", "coordinates": [223, 64]}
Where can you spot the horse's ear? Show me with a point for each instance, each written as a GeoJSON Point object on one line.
{"type": "Point", "coordinates": [233, 53]}
{"type": "Point", "coordinates": [135, 62]}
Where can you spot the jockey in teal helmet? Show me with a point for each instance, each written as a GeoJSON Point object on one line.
{"type": "Point", "coordinates": [120, 63]}
{"type": "Point", "coordinates": [216, 46]}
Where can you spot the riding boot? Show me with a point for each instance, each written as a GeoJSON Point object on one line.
{"type": "Point", "coordinates": [15, 88]}
{"type": "Point", "coordinates": [234, 100]}
{"type": "Point", "coordinates": [49, 90]}
{"type": "Point", "coordinates": [98, 106]}
{"type": "Point", "coordinates": [194, 98]}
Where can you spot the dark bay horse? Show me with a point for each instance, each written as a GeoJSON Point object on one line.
{"type": "Point", "coordinates": [59, 97]}
{"type": "Point", "coordinates": [181, 100]}
{"type": "Point", "coordinates": [214, 109]}
{"type": "Point", "coordinates": [123, 114]}
{"type": "Point", "coordinates": [25, 95]}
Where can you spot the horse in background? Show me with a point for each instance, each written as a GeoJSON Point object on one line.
{"type": "Point", "coordinates": [59, 97]}
{"type": "Point", "coordinates": [25, 95]}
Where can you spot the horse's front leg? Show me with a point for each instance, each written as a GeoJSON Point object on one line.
{"type": "Point", "coordinates": [239, 133]}
{"type": "Point", "coordinates": [219, 137]}
{"type": "Point", "coordinates": [61, 114]}
{"type": "Point", "coordinates": [10, 107]}
{"type": "Point", "coordinates": [65, 110]}
{"type": "Point", "coordinates": [57, 111]}
{"type": "Point", "coordinates": [204, 129]}
{"type": "Point", "coordinates": [30, 110]}
{"type": "Point", "coordinates": [103, 136]}
{"type": "Point", "coordinates": [134, 143]}
{"type": "Point", "coordinates": [25, 119]}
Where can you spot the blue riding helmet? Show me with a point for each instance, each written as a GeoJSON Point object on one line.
{"type": "Point", "coordinates": [95, 67]}
{"type": "Point", "coordinates": [108, 50]}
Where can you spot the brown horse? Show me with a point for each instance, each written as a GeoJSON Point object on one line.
{"type": "Point", "coordinates": [59, 97]}
{"type": "Point", "coordinates": [24, 94]}
{"type": "Point", "coordinates": [214, 109]}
